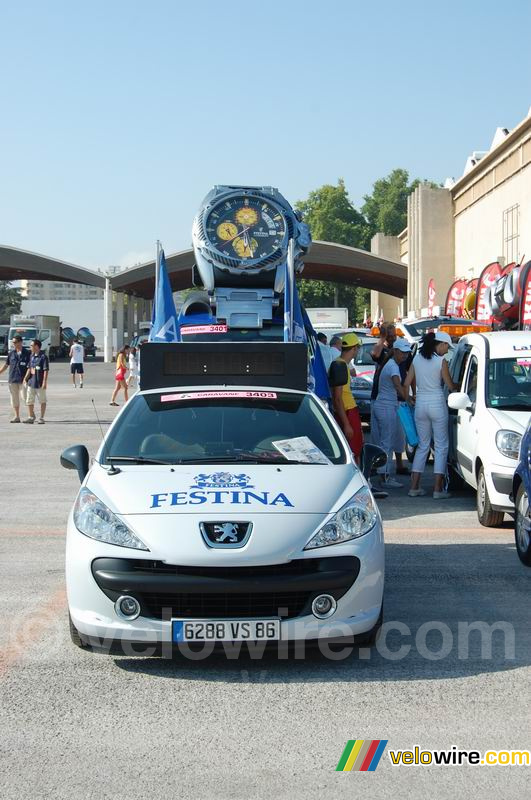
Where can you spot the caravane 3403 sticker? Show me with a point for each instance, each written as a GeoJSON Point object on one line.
{"type": "Point", "coordinates": [220, 488]}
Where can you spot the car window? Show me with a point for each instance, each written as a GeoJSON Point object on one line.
{"type": "Point", "coordinates": [509, 383]}
{"type": "Point", "coordinates": [459, 362]}
{"type": "Point", "coordinates": [472, 379]}
{"type": "Point", "coordinates": [364, 357]}
{"type": "Point", "coordinates": [165, 427]}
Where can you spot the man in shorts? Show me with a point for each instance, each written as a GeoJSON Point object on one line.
{"type": "Point", "coordinates": [17, 361]}
{"type": "Point", "coordinates": [77, 355]}
{"type": "Point", "coordinates": [37, 382]}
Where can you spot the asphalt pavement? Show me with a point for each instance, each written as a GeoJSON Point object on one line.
{"type": "Point", "coordinates": [90, 725]}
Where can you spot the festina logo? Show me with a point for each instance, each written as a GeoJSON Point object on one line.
{"type": "Point", "coordinates": [220, 497]}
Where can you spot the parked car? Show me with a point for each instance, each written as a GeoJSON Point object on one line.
{"type": "Point", "coordinates": [414, 329]}
{"type": "Point", "coordinates": [361, 384]}
{"type": "Point", "coordinates": [257, 555]}
{"type": "Point", "coordinates": [489, 415]}
{"type": "Point", "coordinates": [521, 495]}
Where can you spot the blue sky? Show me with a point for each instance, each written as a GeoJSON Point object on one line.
{"type": "Point", "coordinates": [117, 117]}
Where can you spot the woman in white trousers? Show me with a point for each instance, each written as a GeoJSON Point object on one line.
{"type": "Point", "coordinates": [429, 370]}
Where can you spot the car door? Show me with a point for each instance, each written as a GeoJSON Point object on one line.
{"type": "Point", "coordinates": [457, 367]}
{"type": "Point", "coordinates": [467, 421]}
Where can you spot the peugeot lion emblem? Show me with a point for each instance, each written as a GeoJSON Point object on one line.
{"type": "Point", "coordinates": [226, 534]}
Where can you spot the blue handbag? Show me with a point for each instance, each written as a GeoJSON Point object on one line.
{"type": "Point", "coordinates": [407, 420]}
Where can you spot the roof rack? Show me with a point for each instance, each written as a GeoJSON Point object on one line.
{"type": "Point", "coordinates": [273, 364]}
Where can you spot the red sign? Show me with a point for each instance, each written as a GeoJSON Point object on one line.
{"type": "Point", "coordinates": [487, 279]}
{"type": "Point", "coordinates": [431, 297]}
{"type": "Point", "coordinates": [525, 302]}
{"type": "Point", "coordinates": [455, 298]}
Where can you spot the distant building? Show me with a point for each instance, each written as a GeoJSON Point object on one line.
{"type": "Point", "coordinates": [457, 230]}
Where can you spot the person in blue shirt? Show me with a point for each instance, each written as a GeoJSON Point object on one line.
{"type": "Point", "coordinates": [17, 362]}
{"type": "Point", "coordinates": [36, 379]}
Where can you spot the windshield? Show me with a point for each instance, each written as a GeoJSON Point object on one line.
{"type": "Point", "coordinates": [509, 383]}
{"type": "Point", "coordinates": [163, 427]}
{"type": "Point", "coordinates": [26, 333]}
{"type": "Point", "coordinates": [364, 358]}
{"type": "Point", "coordinates": [419, 328]}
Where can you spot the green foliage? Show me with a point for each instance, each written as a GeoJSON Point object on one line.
{"type": "Point", "coordinates": [332, 218]}
{"type": "Point", "coordinates": [386, 208]}
{"type": "Point", "coordinates": [10, 300]}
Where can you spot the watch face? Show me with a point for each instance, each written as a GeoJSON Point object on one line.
{"type": "Point", "coordinates": [246, 228]}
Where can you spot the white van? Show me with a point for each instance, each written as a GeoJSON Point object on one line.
{"type": "Point", "coordinates": [489, 415]}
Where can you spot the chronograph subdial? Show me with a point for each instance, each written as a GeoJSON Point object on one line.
{"type": "Point", "coordinates": [227, 231]}
{"type": "Point", "coordinates": [247, 216]}
{"type": "Point", "coordinates": [245, 247]}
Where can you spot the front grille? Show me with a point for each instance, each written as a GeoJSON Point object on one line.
{"type": "Point", "coordinates": [217, 606]}
{"type": "Point", "coordinates": [296, 567]}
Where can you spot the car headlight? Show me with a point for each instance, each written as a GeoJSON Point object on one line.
{"type": "Point", "coordinates": [94, 519]}
{"type": "Point", "coordinates": [355, 519]}
{"type": "Point", "coordinates": [508, 443]}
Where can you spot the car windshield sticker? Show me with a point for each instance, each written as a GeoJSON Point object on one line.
{"type": "Point", "coordinates": [221, 488]}
{"type": "Point", "coordinates": [187, 331]}
{"type": "Point", "coordinates": [524, 362]}
{"type": "Point", "coordinates": [169, 398]}
{"type": "Point", "coordinates": [301, 448]}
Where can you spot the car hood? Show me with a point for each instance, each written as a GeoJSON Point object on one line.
{"type": "Point", "coordinates": [511, 420]}
{"type": "Point", "coordinates": [207, 489]}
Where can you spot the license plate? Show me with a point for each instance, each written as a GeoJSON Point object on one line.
{"type": "Point", "coordinates": [225, 630]}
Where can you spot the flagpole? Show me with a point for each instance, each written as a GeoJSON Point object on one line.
{"type": "Point", "coordinates": [157, 265]}
{"type": "Point", "coordinates": [291, 276]}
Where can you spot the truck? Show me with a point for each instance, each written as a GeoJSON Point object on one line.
{"type": "Point", "coordinates": [40, 326]}
{"type": "Point", "coordinates": [86, 338]}
{"type": "Point", "coordinates": [4, 340]}
{"type": "Point", "coordinates": [328, 319]}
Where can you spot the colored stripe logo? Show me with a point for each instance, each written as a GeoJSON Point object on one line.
{"type": "Point", "coordinates": [361, 755]}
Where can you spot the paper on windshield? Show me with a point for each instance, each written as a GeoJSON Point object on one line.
{"type": "Point", "coordinates": [301, 448]}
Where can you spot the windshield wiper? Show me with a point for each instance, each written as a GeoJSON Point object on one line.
{"type": "Point", "coordinates": [515, 407]}
{"type": "Point", "coordinates": [141, 460]}
{"type": "Point", "coordinates": [257, 458]}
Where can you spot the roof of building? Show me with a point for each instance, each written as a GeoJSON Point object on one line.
{"type": "Point", "coordinates": [16, 264]}
{"type": "Point", "coordinates": [326, 261]}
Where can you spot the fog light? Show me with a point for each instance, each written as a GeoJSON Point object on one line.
{"type": "Point", "coordinates": [323, 606]}
{"type": "Point", "coordinates": [127, 607]}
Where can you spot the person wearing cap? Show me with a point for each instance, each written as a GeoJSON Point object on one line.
{"type": "Point", "coordinates": [344, 404]}
{"type": "Point", "coordinates": [429, 371]}
{"type": "Point", "coordinates": [36, 379]}
{"type": "Point", "coordinates": [385, 410]}
{"type": "Point", "coordinates": [17, 361]}
{"type": "Point", "coordinates": [380, 354]}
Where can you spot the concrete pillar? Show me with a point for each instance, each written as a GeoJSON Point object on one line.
{"type": "Point", "coordinates": [119, 320]}
{"type": "Point", "coordinates": [130, 318]}
{"type": "Point", "coordinates": [107, 322]}
{"type": "Point", "coordinates": [385, 247]}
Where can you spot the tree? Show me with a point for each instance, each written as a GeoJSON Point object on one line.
{"type": "Point", "coordinates": [386, 208]}
{"type": "Point", "coordinates": [10, 301]}
{"type": "Point", "coordinates": [332, 218]}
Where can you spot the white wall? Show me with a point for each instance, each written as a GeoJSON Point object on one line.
{"type": "Point", "coordinates": [72, 313]}
{"type": "Point", "coordinates": [479, 229]}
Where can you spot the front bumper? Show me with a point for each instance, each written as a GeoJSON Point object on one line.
{"type": "Point", "coordinates": [98, 574]}
{"type": "Point", "coordinates": [500, 485]}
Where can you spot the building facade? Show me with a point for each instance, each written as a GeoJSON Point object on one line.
{"type": "Point", "coordinates": [457, 230]}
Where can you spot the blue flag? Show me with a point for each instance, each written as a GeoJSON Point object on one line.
{"type": "Point", "coordinates": [165, 327]}
{"type": "Point", "coordinates": [300, 330]}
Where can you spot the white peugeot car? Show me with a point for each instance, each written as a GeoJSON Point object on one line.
{"type": "Point", "coordinates": [205, 517]}
{"type": "Point", "coordinates": [489, 415]}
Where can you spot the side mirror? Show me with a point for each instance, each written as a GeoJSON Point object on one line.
{"type": "Point", "coordinates": [76, 457]}
{"type": "Point", "coordinates": [372, 457]}
{"type": "Point", "coordinates": [459, 401]}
